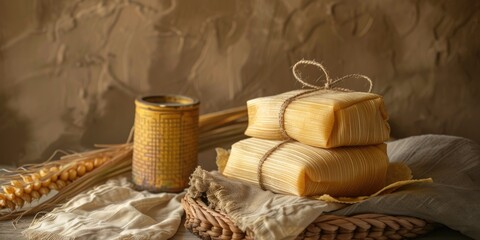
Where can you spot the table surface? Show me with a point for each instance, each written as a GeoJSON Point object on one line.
{"type": "Point", "coordinates": [8, 231]}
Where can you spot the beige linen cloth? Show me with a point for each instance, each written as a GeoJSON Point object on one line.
{"type": "Point", "coordinates": [113, 210]}
{"type": "Point", "coordinates": [267, 215]}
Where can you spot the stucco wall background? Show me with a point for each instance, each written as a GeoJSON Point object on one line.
{"type": "Point", "coordinates": [70, 70]}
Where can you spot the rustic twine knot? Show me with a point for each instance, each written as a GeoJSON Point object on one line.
{"type": "Point", "coordinates": [329, 85]}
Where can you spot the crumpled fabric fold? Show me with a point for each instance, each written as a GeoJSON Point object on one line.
{"type": "Point", "coordinates": [267, 215]}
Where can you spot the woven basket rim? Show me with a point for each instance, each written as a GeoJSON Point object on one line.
{"type": "Point", "coordinates": [207, 223]}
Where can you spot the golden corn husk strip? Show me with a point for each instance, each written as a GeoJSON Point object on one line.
{"type": "Point", "coordinates": [228, 125]}
{"type": "Point", "coordinates": [216, 120]}
{"type": "Point", "coordinates": [324, 119]}
{"type": "Point", "coordinates": [302, 170]}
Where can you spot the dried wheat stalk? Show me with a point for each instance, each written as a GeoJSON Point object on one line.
{"type": "Point", "coordinates": [77, 172]}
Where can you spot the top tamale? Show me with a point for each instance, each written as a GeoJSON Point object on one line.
{"type": "Point", "coordinates": [325, 118]}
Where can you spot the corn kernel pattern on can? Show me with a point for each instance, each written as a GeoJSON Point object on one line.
{"type": "Point", "coordinates": [165, 142]}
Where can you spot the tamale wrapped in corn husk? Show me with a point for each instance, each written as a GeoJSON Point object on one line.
{"type": "Point", "coordinates": [302, 170]}
{"type": "Point", "coordinates": [324, 118]}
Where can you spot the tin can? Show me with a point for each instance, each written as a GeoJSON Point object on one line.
{"type": "Point", "coordinates": [165, 142]}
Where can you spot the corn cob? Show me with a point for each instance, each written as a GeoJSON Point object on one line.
{"type": "Point", "coordinates": [33, 186]}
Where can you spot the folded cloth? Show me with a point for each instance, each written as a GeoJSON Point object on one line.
{"type": "Point", "coordinates": [452, 199]}
{"type": "Point", "coordinates": [267, 215]}
{"type": "Point", "coordinates": [111, 211]}
{"type": "Point", "coordinates": [325, 118]}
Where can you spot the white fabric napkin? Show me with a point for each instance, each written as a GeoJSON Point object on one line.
{"type": "Point", "coordinates": [111, 211]}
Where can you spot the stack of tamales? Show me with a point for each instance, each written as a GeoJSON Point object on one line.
{"type": "Point", "coordinates": [336, 144]}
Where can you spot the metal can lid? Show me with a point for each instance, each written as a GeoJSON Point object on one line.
{"type": "Point", "coordinates": [165, 102]}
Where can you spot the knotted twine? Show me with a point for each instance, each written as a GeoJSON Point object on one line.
{"type": "Point", "coordinates": [329, 85]}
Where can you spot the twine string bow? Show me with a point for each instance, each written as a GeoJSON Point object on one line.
{"type": "Point", "coordinates": [330, 84]}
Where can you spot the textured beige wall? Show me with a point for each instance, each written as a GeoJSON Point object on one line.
{"type": "Point", "coordinates": [70, 70]}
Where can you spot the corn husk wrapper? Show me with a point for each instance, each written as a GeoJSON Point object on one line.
{"type": "Point", "coordinates": [302, 170]}
{"type": "Point", "coordinates": [325, 118]}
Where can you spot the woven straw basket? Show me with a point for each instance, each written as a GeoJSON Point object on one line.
{"type": "Point", "coordinates": [209, 224]}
